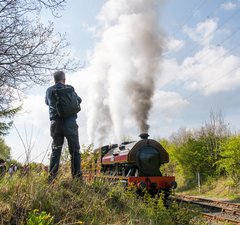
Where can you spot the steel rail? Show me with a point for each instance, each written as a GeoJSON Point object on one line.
{"type": "Point", "coordinates": [228, 206]}
{"type": "Point", "coordinates": [222, 211]}
{"type": "Point", "coordinates": [220, 218]}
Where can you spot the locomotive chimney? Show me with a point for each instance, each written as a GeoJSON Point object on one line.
{"type": "Point", "coordinates": [144, 136]}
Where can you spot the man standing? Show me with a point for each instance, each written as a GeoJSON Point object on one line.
{"type": "Point", "coordinates": [64, 104]}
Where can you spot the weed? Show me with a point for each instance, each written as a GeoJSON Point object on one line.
{"type": "Point", "coordinates": [39, 218]}
{"type": "Point", "coordinates": [74, 202]}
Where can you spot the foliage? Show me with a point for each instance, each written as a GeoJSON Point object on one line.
{"type": "Point", "coordinates": [230, 158]}
{"type": "Point", "coordinates": [197, 151]}
{"type": "Point", "coordinates": [210, 150]}
{"type": "Point", "coordinates": [170, 168]}
{"type": "Point", "coordinates": [88, 157]}
{"type": "Point", "coordinates": [29, 51]}
{"type": "Point", "coordinates": [39, 218]}
{"type": "Point", "coordinates": [4, 150]}
{"type": "Point", "coordinates": [213, 133]}
{"type": "Point", "coordinates": [185, 214]}
{"type": "Point", "coordinates": [194, 158]}
{"type": "Point", "coordinates": [6, 114]}
{"type": "Point", "coordinates": [73, 202]}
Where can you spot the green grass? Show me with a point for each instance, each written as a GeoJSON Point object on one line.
{"type": "Point", "coordinates": [31, 200]}
{"type": "Point", "coordinates": [221, 188]}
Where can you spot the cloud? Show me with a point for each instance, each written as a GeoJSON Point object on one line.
{"type": "Point", "coordinates": [228, 6]}
{"type": "Point", "coordinates": [203, 33]}
{"type": "Point", "coordinates": [33, 109]}
{"type": "Point", "coordinates": [168, 104]}
{"type": "Point", "coordinates": [88, 28]}
{"type": "Point", "coordinates": [173, 44]}
{"type": "Point", "coordinates": [211, 70]}
{"type": "Point", "coordinates": [168, 73]}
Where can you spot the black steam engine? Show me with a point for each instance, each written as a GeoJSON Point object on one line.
{"type": "Point", "coordinates": [136, 163]}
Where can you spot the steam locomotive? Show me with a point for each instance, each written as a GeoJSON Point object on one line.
{"type": "Point", "coordinates": [135, 163]}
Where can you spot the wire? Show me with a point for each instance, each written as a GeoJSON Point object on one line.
{"type": "Point", "coordinates": [210, 83]}
{"type": "Point", "coordinates": [195, 46]}
{"type": "Point", "coordinates": [188, 37]}
{"type": "Point", "coordinates": [195, 8]}
{"type": "Point", "coordinates": [225, 75]}
{"type": "Point", "coordinates": [209, 65]}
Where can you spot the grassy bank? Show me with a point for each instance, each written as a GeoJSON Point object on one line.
{"type": "Point", "coordinates": [31, 200]}
{"type": "Point", "coordinates": [221, 188]}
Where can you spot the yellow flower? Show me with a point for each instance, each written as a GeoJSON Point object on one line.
{"type": "Point", "coordinates": [36, 210]}
{"type": "Point", "coordinates": [48, 216]}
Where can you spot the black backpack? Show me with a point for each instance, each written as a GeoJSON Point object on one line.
{"type": "Point", "coordinates": [67, 103]}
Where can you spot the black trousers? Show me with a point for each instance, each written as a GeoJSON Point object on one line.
{"type": "Point", "coordinates": [67, 128]}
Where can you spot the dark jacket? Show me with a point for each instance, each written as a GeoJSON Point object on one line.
{"type": "Point", "coordinates": [50, 100]}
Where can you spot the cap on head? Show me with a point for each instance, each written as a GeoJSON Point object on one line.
{"type": "Point", "coordinates": [58, 76]}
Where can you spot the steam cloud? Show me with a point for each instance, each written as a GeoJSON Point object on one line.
{"type": "Point", "coordinates": [123, 66]}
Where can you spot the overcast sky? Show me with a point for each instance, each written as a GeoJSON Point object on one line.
{"type": "Point", "coordinates": [198, 70]}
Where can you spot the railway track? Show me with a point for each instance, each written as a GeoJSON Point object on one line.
{"type": "Point", "coordinates": [214, 209]}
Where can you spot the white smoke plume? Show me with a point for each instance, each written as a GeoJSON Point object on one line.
{"type": "Point", "coordinates": [123, 66]}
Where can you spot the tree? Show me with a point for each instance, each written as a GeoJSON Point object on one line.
{"type": "Point", "coordinates": [194, 158]}
{"type": "Point", "coordinates": [4, 150]}
{"type": "Point", "coordinates": [198, 151]}
{"type": "Point", "coordinates": [6, 113]}
{"type": "Point", "coordinates": [29, 51]}
{"type": "Point", "coordinates": [171, 167]}
{"type": "Point", "coordinates": [214, 131]}
{"type": "Point", "coordinates": [230, 158]}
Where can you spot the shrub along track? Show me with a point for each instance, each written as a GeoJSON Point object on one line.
{"type": "Point", "coordinates": [214, 209]}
